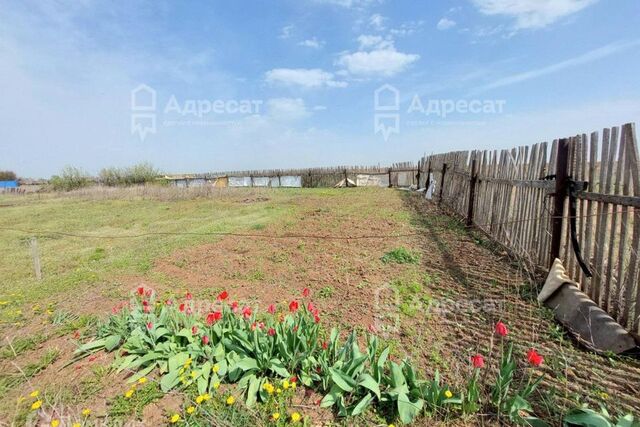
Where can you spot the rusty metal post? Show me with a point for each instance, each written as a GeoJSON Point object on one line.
{"type": "Point", "coordinates": [472, 192]}
{"type": "Point", "coordinates": [562, 169]}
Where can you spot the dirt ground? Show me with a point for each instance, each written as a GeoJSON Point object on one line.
{"type": "Point", "coordinates": [439, 311]}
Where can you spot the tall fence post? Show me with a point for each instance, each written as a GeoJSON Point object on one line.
{"type": "Point", "coordinates": [390, 185]}
{"type": "Point", "coordinates": [472, 192]}
{"type": "Point", "coordinates": [428, 182]}
{"type": "Point", "coordinates": [444, 170]}
{"type": "Point", "coordinates": [562, 163]}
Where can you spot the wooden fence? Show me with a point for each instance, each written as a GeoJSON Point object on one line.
{"type": "Point", "coordinates": [520, 197]}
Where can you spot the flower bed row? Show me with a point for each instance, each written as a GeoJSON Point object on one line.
{"type": "Point", "coordinates": [233, 344]}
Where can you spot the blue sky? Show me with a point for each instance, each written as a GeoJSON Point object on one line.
{"type": "Point", "coordinates": [311, 67]}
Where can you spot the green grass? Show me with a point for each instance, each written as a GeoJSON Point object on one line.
{"type": "Point", "coordinates": [122, 407]}
{"type": "Point", "coordinates": [400, 256]}
{"type": "Point", "coordinates": [77, 263]}
{"type": "Point", "coordinates": [9, 380]}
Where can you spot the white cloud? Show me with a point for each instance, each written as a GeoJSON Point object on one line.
{"type": "Point", "coordinates": [305, 77]}
{"type": "Point", "coordinates": [370, 41]}
{"type": "Point", "coordinates": [350, 4]}
{"type": "Point", "coordinates": [445, 24]}
{"type": "Point", "coordinates": [532, 13]}
{"type": "Point", "coordinates": [312, 43]}
{"type": "Point", "coordinates": [285, 32]}
{"type": "Point", "coordinates": [407, 28]}
{"type": "Point", "coordinates": [320, 108]}
{"type": "Point", "coordinates": [376, 21]}
{"type": "Point", "coordinates": [593, 55]}
{"type": "Point", "coordinates": [381, 62]}
{"type": "Point", "coordinates": [287, 109]}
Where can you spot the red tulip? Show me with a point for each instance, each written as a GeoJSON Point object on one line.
{"type": "Point", "coordinates": [223, 296]}
{"type": "Point", "coordinates": [534, 357]}
{"type": "Point", "coordinates": [501, 329]}
{"type": "Point", "coordinates": [149, 325]}
{"type": "Point", "coordinates": [271, 309]}
{"type": "Point", "coordinates": [234, 306]}
{"type": "Point", "coordinates": [213, 317]}
{"type": "Point", "coordinates": [168, 302]}
{"type": "Point", "coordinates": [194, 330]}
{"type": "Point", "coordinates": [477, 361]}
{"type": "Point", "coordinates": [149, 292]}
{"type": "Point", "coordinates": [316, 318]}
{"type": "Point", "coordinates": [189, 296]}
{"type": "Point", "coordinates": [293, 306]}
{"type": "Point", "coordinates": [189, 311]}
{"type": "Point", "coordinates": [372, 329]}
{"type": "Point", "coordinates": [145, 303]}
{"type": "Point", "coordinates": [271, 332]}
{"type": "Point", "coordinates": [205, 340]}
{"type": "Point", "coordinates": [76, 334]}
{"type": "Point", "coordinates": [146, 309]}
{"type": "Point", "coordinates": [182, 307]}
{"type": "Point", "coordinates": [254, 326]}
{"type": "Point", "coordinates": [325, 345]}
{"type": "Point", "coordinates": [141, 290]}
{"type": "Point", "coordinates": [294, 379]}
{"type": "Point", "coordinates": [306, 292]}
{"type": "Point", "coordinates": [310, 307]}
{"type": "Point", "coordinates": [246, 312]}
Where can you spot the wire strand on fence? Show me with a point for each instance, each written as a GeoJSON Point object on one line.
{"type": "Point", "coordinates": [45, 233]}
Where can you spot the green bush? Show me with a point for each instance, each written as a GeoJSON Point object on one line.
{"type": "Point", "coordinates": [136, 174]}
{"type": "Point", "coordinates": [8, 176]}
{"type": "Point", "coordinates": [70, 178]}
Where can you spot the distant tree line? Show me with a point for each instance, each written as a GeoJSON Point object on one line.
{"type": "Point", "coordinates": [71, 178]}
{"type": "Point", "coordinates": [8, 176]}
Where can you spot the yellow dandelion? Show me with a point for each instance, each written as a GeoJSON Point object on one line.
{"type": "Point", "coordinates": [174, 418]}
{"type": "Point", "coordinates": [216, 385]}
{"type": "Point", "coordinates": [278, 390]}
{"type": "Point", "coordinates": [55, 423]}
{"type": "Point", "coordinates": [215, 368]}
{"type": "Point", "coordinates": [129, 393]}
{"type": "Point", "coordinates": [34, 393]}
{"type": "Point", "coordinates": [448, 394]}
{"type": "Point", "coordinates": [295, 417]}
{"type": "Point", "coordinates": [20, 399]}
{"type": "Point", "coordinates": [191, 409]}
{"type": "Point", "coordinates": [199, 399]}
{"type": "Point", "coordinates": [76, 425]}
{"type": "Point", "coordinates": [604, 395]}
{"type": "Point", "coordinates": [206, 396]}
{"type": "Point", "coordinates": [187, 362]}
{"type": "Point", "coordinates": [142, 380]}
{"type": "Point", "coordinates": [392, 425]}
{"type": "Point", "coordinates": [285, 384]}
{"type": "Point", "coordinates": [275, 416]}
{"type": "Point", "coordinates": [86, 412]}
{"type": "Point", "coordinates": [293, 386]}
{"type": "Point", "coordinates": [231, 400]}
{"type": "Point", "coordinates": [36, 405]}
{"type": "Point", "coordinates": [193, 374]}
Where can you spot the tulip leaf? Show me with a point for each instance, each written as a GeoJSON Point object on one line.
{"type": "Point", "coordinates": [368, 382]}
{"type": "Point", "coordinates": [247, 363]}
{"type": "Point", "coordinates": [362, 405]}
{"type": "Point", "coordinates": [407, 409]}
{"type": "Point", "coordinates": [342, 380]}
{"type": "Point", "coordinates": [331, 398]}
